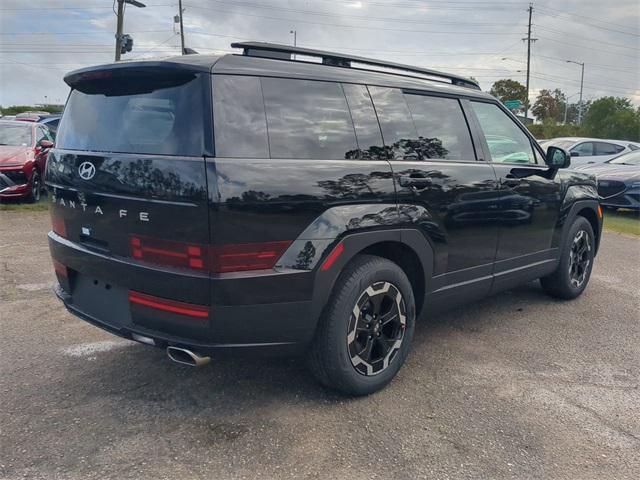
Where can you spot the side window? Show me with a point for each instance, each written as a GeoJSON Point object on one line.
{"type": "Point", "coordinates": [308, 119]}
{"type": "Point", "coordinates": [442, 128]}
{"type": "Point", "coordinates": [365, 122]}
{"type": "Point", "coordinates": [48, 134]}
{"type": "Point", "coordinates": [633, 147]}
{"type": "Point", "coordinates": [604, 148]}
{"type": "Point", "coordinates": [240, 126]}
{"type": "Point", "coordinates": [40, 134]}
{"type": "Point", "coordinates": [507, 143]}
{"type": "Point", "coordinates": [398, 131]}
{"type": "Point", "coordinates": [584, 149]}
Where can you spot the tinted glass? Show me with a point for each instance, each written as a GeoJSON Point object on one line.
{"type": "Point", "coordinates": [441, 127]}
{"type": "Point", "coordinates": [584, 149]}
{"type": "Point", "coordinates": [603, 148]}
{"type": "Point", "coordinates": [308, 119]}
{"type": "Point", "coordinates": [238, 115]}
{"type": "Point", "coordinates": [152, 115]}
{"type": "Point", "coordinates": [507, 142]}
{"type": "Point", "coordinates": [365, 122]}
{"type": "Point", "coordinates": [40, 134]}
{"type": "Point", "coordinates": [632, 158]}
{"type": "Point", "coordinates": [16, 135]}
{"type": "Point", "coordinates": [398, 130]}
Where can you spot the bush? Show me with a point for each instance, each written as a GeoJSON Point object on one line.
{"type": "Point", "coordinates": [544, 131]}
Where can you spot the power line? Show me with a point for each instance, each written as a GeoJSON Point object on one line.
{"type": "Point", "coordinates": [587, 47]}
{"type": "Point", "coordinates": [563, 12]}
{"type": "Point", "coordinates": [553, 30]}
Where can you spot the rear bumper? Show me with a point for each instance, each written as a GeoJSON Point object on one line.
{"type": "Point", "coordinates": [239, 318]}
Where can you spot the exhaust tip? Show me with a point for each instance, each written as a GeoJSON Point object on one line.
{"type": "Point", "coordinates": [186, 357]}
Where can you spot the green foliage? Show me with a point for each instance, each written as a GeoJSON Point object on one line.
{"type": "Point", "coordinates": [507, 89]}
{"type": "Point", "coordinates": [548, 130]}
{"type": "Point", "coordinates": [15, 109]}
{"type": "Point", "coordinates": [612, 117]}
{"type": "Point", "coordinates": [549, 105]}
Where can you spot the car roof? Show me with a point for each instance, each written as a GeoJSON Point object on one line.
{"type": "Point", "coordinates": [239, 64]}
{"type": "Point", "coordinates": [589, 139]}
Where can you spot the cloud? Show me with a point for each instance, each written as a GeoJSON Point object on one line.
{"type": "Point", "coordinates": [466, 38]}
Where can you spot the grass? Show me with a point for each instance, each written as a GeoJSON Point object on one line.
{"type": "Point", "coordinates": [622, 221]}
{"type": "Point", "coordinates": [15, 206]}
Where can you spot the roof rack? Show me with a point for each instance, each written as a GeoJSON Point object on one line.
{"type": "Point", "coordinates": [286, 52]}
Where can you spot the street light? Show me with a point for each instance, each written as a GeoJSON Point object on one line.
{"type": "Point", "coordinates": [581, 85]}
{"type": "Point", "coordinates": [566, 106]}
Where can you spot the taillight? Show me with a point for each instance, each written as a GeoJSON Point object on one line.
{"type": "Point", "coordinates": [241, 257]}
{"type": "Point", "coordinates": [166, 305]}
{"type": "Point", "coordinates": [58, 225]}
{"type": "Point", "coordinates": [165, 252]}
{"type": "Point", "coordinates": [235, 257]}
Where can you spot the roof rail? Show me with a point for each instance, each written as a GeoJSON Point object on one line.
{"type": "Point", "coordinates": [286, 52]}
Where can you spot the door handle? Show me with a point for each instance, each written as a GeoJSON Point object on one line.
{"type": "Point", "coordinates": [415, 182]}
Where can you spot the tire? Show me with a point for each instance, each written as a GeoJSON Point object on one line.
{"type": "Point", "coordinates": [354, 351]}
{"type": "Point", "coordinates": [570, 279]}
{"type": "Point", "coordinates": [36, 187]}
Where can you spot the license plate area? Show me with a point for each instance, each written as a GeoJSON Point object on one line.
{"type": "Point", "coordinates": [101, 300]}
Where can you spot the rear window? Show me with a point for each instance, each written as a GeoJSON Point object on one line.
{"type": "Point", "coordinates": [143, 115]}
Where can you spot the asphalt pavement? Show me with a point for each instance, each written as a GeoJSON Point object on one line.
{"type": "Point", "coordinates": [515, 386]}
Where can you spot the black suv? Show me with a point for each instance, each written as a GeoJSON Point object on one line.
{"type": "Point", "coordinates": [302, 201]}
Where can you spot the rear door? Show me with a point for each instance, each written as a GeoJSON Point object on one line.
{"type": "Point", "coordinates": [127, 176]}
{"type": "Point", "coordinates": [443, 189]}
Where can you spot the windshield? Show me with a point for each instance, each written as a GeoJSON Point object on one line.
{"type": "Point", "coordinates": [15, 135]}
{"type": "Point", "coordinates": [631, 158]}
{"type": "Point", "coordinates": [147, 115]}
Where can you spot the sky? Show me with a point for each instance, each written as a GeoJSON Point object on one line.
{"type": "Point", "coordinates": [41, 40]}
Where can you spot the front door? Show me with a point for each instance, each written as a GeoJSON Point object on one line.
{"type": "Point", "coordinates": [530, 193]}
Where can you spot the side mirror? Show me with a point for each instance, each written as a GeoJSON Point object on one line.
{"type": "Point", "coordinates": [44, 144]}
{"type": "Point", "coordinates": [558, 158]}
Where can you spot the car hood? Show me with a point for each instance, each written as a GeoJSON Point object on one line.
{"type": "Point", "coordinates": [622, 173]}
{"type": "Point", "coordinates": [10, 155]}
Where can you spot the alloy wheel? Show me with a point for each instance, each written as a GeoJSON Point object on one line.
{"type": "Point", "coordinates": [376, 328]}
{"type": "Point", "coordinates": [579, 258]}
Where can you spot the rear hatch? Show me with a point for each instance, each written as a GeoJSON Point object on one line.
{"type": "Point", "coordinates": [128, 185]}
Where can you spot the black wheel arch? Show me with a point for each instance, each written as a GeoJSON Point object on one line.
{"type": "Point", "coordinates": [589, 209]}
{"type": "Point", "coordinates": [408, 248]}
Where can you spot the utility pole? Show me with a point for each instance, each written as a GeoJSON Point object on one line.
{"type": "Point", "coordinates": [528, 40]}
{"type": "Point", "coordinates": [120, 22]}
{"type": "Point", "coordinates": [119, 29]}
{"type": "Point", "coordinates": [581, 87]}
{"type": "Point", "coordinates": [181, 27]}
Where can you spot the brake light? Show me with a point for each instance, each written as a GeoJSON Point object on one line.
{"type": "Point", "coordinates": [246, 256]}
{"type": "Point", "coordinates": [165, 252]}
{"type": "Point", "coordinates": [58, 225]}
{"type": "Point", "coordinates": [166, 305]}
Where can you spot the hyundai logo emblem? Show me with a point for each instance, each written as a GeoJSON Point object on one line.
{"type": "Point", "coordinates": [86, 170]}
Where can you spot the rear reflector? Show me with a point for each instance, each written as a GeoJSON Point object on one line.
{"type": "Point", "coordinates": [60, 269]}
{"type": "Point", "coordinates": [333, 256]}
{"type": "Point", "coordinates": [165, 305]}
{"type": "Point", "coordinates": [58, 225]}
{"type": "Point", "coordinates": [165, 252]}
{"type": "Point", "coordinates": [246, 256]}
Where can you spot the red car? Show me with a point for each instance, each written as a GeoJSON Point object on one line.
{"type": "Point", "coordinates": [24, 147]}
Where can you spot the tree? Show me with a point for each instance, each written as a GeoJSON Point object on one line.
{"type": "Point", "coordinates": [507, 89]}
{"type": "Point", "coordinates": [550, 105]}
{"type": "Point", "coordinates": [612, 117]}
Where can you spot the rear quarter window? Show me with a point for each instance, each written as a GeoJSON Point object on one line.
{"type": "Point", "coordinates": [143, 115]}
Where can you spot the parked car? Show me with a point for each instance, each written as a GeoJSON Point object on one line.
{"type": "Point", "coordinates": [24, 148]}
{"type": "Point", "coordinates": [618, 180]}
{"type": "Point", "coordinates": [371, 197]}
{"type": "Point", "coordinates": [592, 150]}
